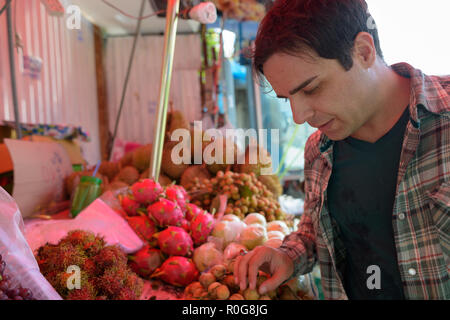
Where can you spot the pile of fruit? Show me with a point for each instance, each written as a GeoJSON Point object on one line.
{"type": "Point", "coordinates": [215, 260]}
{"type": "Point", "coordinates": [171, 228]}
{"type": "Point", "coordinates": [250, 233]}
{"type": "Point", "coordinates": [104, 273]}
{"type": "Point", "coordinates": [134, 165]}
{"type": "Point", "coordinates": [117, 175]}
{"type": "Point", "coordinates": [246, 194]}
{"type": "Point", "coordinates": [232, 235]}
{"type": "Point", "coordinates": [7, 290]}
{"type": "Point", "coordinates": [218, 284]}
{"type": "Point", "coordinates": [257, 192]}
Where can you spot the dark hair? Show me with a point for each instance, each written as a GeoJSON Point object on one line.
{"type": "Point", "coordinates": [329, 27]}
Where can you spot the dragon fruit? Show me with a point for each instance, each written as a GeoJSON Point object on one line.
{"type": "Point", "coordinates": [178, 195]}
{"type": "Point", "coordinates": [186, 225]}
{"type": "Point", "coordinates": [143, 226]}
{"type": "Point", "coordinates": [146, 261]}
{"type": "Point", "coordinates": [175, 241]}
{"type": "Point", "coordinates": [201, 226]}
{"type": "Point", "coordinates": [165, 213]}
{"type": "Point", "coordinates": [130, 205]}
{"type": "Point", "coordinates": [146, 191]}
{"type": "Point", "coordinates": [192, 211]}
{"type": "Point", "coordinates": [177, 271]}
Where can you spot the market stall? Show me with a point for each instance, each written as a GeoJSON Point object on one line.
{"type": "Point", "coordinates": [161, 217]}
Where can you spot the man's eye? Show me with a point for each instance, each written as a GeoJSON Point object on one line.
{"type": "Point", "coordinates": [309, 92]}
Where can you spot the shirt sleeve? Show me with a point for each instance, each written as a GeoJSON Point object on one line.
{"type": "Point", "coordinates": [300, 245]}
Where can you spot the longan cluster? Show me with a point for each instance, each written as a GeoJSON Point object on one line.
{"type": "Point", "coordinates": [246, 194]}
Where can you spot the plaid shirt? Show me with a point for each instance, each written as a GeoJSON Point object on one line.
{"type": "Point", "coordinates": [421, 210]}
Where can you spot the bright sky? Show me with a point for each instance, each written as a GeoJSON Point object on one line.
{"type": "Point", "coordinates": [414, 31]}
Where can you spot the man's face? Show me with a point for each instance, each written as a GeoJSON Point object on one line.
{"type": "Point", "coordinates": [321, 92]}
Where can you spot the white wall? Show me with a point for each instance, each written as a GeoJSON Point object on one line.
{"type": "Point", "coordinates": [66, 92]}
{"type": "Point", "coordinates": [414, 31]}
{"type": "Point", "coordinates": [139, 112]}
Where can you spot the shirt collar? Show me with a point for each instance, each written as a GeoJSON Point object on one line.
{"type": "Point", "coordinates": [426, 92]}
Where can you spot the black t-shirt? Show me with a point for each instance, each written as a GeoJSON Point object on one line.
{"type": "Point", "coordinates": [361, 195]}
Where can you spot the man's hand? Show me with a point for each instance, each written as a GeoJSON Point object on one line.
{"type": "Point", "coordinates": [274, 261]}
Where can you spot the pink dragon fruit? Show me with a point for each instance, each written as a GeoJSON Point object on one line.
{"type": "Point", "coordinates": [178, 195]}
{"type": "Point", "coordinates": [146, 261]}
{"type": "Point", "coordinates": [175, 241]}
{"type": "Point", "coordinates": [165, 213]}
{"type": "Point", "coordinates": [144, 227]}
{"type": "Point", "coordinates": [186, 225]}
{"type": "Point", "coordinates": [177, 271]}
{"type": "Point", "coordinates": [201, 227]}
{"type": "Point", "coordinates": [146, 191]}
{"type": "Point", "coordinates": [130, 205]}
{"type": "Point", "coordinates": [192, 211]}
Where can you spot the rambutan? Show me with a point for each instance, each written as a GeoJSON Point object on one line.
{"type": "Point", "coordinates": [67, 255]}
{"type": "Point", "coordinates": [108, 257]}
{"type": "Point", "coordinates": [86, 292]}
{"type": "Point", "coordinates": [111, 282]}
{"type": "Point", "coordinates": [114, 280]}
{"type": "Point", "coordinates": [126, 294]}
{"type": "Point", "coordinates": [134, 284]}
{"type": "Point", "coordinates": [103, 269]}
{"type": "Point", "coordinates": [84, 240]}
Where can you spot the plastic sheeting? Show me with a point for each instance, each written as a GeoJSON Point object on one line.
{"type": "Point", "coordinates": [64, 92]}
{"type": "Point", "coordinates": [139, 113]}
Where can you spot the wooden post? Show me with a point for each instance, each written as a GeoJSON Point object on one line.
{"type": "Point", "coordinates": [103, 114]}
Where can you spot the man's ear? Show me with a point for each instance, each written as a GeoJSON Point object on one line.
{"type": "Point", "coordinates": [364, 51]}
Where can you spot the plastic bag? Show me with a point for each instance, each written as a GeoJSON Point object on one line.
{"type": "Point", "coordinates": [206, 256]}
{"type": "Point", "coordinates": [21, 266]}
{"type": "Point", "coordinates": [98, 218]}
{"type": "Point", "coordinates": [232, 251]}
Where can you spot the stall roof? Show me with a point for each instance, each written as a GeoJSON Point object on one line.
{"type": "Point", "coordinates": [115, 23]}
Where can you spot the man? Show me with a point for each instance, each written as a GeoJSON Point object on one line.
{"type": "Point", "coordinates": [377, 172]}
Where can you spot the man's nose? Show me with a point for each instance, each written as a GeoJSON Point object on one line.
{"type": "Point", "coordinates": [301, 112]}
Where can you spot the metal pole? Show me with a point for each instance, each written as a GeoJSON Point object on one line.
{"type": "Point", "coordinates": [166, 76]}
{"type": "Point", "coordinates": [12, 68]}
{"type": "Point", "coordinates": [127, 78]}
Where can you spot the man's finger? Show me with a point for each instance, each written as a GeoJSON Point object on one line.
{"type": "Point", "coordinates": [253, 267]}
{"type": "Point", "coordinates": [236, 269]}
{"type": "Point", "coordinates": [243, 270]}
{"type": "Point", "coordinates": [273, 282]}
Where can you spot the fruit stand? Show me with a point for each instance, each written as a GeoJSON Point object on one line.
{"type": "Point", "coordinates": [182, 224]}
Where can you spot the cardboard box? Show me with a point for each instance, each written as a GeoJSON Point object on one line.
{"type": "Point", "coordinates": [6, 164]}
{"type": "Point", "coordinates": [39, 172]}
